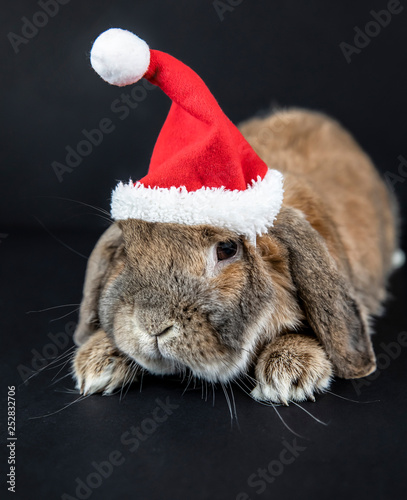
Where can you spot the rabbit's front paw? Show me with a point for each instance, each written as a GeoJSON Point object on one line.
{"type": "Point", "coordinates": [99, 367]}
{"type": "Point", "coordinates": [293, 368]}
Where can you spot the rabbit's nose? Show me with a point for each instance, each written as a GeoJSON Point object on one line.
{"type": "Point", "coordinates": [162, 331]}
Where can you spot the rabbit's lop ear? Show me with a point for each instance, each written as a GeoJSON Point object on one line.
{"type": "Point", "coordinates": [99, 268]}
{"type": "Point", "coordinates": [326, 296]}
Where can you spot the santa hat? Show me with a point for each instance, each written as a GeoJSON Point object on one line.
{"type": "Point", "coordinates": [202, 170]}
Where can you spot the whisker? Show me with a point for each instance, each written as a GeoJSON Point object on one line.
{"type": "Point", "coordinates": [189, 381]}
{"type": "Point", "coordinates": [135, 371]}
{"type": "Point", "coordinates": [252, 379]}
{"type": "Point", "coordinates": [63, 365]}
{"type": "Point", "coordinates": [245, 374]}
{"type": "Point", "coordinates": [79, 399]}
{"type": "Point", "coordinates": [66, 391]}
{"type": "Point", "coordinates": [309, 413]}
{"type": "Point", "coordinates": [184, 374]}
{"type": "Point", "coordinates": [102, 210]}
{"type": "Point", "coordinates": [59, 240]}
{"type": "Point", "coordinates": [249, 389]}
{"type": "Point", "coordinates": [234, 403]}
{"type": "Point", "coordinates": [65, 315]}
{"type": "Point", "coordinates": [352, 400]}
{"type": "Point", "coordinates": [51, 308]}
{"type": "Point", "coordinates": [49, 365]}
{"type": "Point", "coordinates": [141, 379]}
{"type": "Point", "coordinates": [108, 219]}
{"type": "Point", "coordinates": [63, 355]}
{"type": "Point", "coordinates": [263, 403]}
{"type": "Point", "coordinates": [227, 400]}
{"type": "Point", "coordinates": [130, 373]}
{"type": "Point", "coordinates": [61, 378]}
{"type": "Point", "coordinates": [243, 387]}
{"type": "Point", "coordinates": [268, 404]}
{"type": "Point", "coordinates": [285, 424]}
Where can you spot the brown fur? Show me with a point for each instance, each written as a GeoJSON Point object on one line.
{"type": "Point", "coordinates": [333, 182]}
{"type": "Point", "coordinates": [291, 368]}
{"type": "Point", "coordinates": [99, 358]}
{"type": "Point", "coordinates": [163, 302]}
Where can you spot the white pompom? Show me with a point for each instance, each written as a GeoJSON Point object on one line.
{"type": "Point", "coordinates": [120, 57]}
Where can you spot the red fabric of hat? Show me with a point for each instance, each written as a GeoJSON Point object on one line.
{"type": "Point", "coordinates": [202, 170]}
{"type": "Point", "coordinates": [198, 145]}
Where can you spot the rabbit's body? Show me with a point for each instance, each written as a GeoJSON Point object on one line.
{"type": "Point", "coordinates": [157, 296]}
{"type": "Point", "coordinates": [333, 182]}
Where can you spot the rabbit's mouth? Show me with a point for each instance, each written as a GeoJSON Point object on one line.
{"type": "Point", "coordinates": [210, 343]}
{"type": "Point", "coordinates": [170, 354]}
{"type": "Point", "coordinates": [175, 351]}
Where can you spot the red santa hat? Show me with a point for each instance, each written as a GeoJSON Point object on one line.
{"type": "Point", "coordinates": [202, 170]}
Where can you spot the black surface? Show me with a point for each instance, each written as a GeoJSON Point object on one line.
{"type": "Point", "coordinates": [197, 453]}
{"type": "Point", "coordinates": [261, 53]}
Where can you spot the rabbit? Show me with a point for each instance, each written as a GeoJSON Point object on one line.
{"type": "Point", "coordinates": [294, 307]}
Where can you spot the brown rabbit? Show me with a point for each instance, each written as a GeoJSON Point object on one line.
{"type": "Point", "coordinates": [295, 306]}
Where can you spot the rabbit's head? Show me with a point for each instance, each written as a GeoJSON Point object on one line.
{"type": "Point", "coordinates": [175, 297]}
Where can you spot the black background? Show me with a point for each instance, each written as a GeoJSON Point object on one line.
{"type": "Point", "coordinates": [261, 54]}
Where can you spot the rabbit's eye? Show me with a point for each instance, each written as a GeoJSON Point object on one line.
{"type": "Point", "coordinates": [226, 250]}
